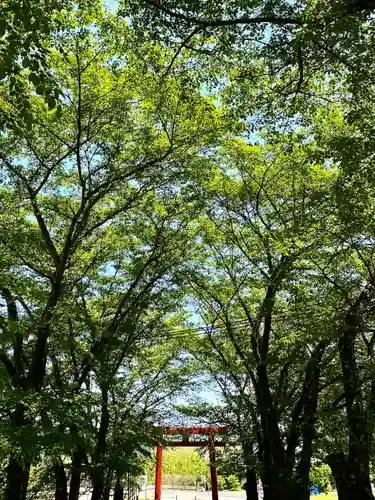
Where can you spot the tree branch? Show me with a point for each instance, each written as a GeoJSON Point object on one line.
{"type": "Point", "coordinates": [280, 21]}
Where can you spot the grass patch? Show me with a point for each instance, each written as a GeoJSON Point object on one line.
{"type": "Point", "coordinates": [324, 496]}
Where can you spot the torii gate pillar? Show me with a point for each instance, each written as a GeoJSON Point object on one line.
{"type": "Point", "coordinates": [214, 487]}
{"type": "Point", "coordinates": [158, 472]}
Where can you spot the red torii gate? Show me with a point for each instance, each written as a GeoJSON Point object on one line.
{"type": "Point", "coordinates": [186, 432]}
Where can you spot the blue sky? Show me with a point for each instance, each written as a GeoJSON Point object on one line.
{"type": "Point", "coordinates": [111, 5]}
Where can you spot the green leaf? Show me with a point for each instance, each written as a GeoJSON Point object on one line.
{"type": "Point", "coordinates": [26, 62]}
{"type": "Point", "coordinates": [34, 79]}
{"type": "Point", "coordinates": [51, 101]}
{"type": "Point", "coordinates": [3, 68]}
{"type": "Point", "coordinates": [3, 26]}
{"type": "Point", "coordinates": [59, 111]}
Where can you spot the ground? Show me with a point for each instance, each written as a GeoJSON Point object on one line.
{"type": "Point", "coordinates": [328, 496]}
{"type": "Point", "coordinates": [169, 494]}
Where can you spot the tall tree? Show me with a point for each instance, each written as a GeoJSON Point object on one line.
{"type": "Point", "coordinates": [67, 180]}
{"type": "Point", "coordinates": [261, 231]}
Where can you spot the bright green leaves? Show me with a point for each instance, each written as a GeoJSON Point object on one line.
{"type": "Point", "coordinates": [97, 221]}
{"type": "Point", "coordinates": [276, 63]}
{"type": "Point", "coordinates": [28, 35]}
{"type": "Point", "coordinates": [144, 187]}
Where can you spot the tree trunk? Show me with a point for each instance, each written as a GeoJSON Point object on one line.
{"type": "Point", "coordinates": [251, 484]}
{"type": "Point", "coordinates": [18, 469]}
{"type": "Point", "coordinates": [278, 485]}
{"type": "Point", "coordinates": [279, 479]}
{"type": "Point", "coordinates": [119, 490]}
{"type": "Point", "coordinates": [284, 488]}
{"type": "Point", "coordinates": [310, 395]}
{"type": "Point", "coordinates": [75, 478]}
{"type": "Point", "coordinates": [17, 479]}
{"type": "Point", "coordinates": [276, 477]}
{"type": "Point", "coordinates": [275, 492]}
{"type": "Point", "coordinates": [353, 471]}
{"type": "Point", "coordinates": [274, 453]}
{"type": "Point", "coordinates": [61, 481]}
{"type": "Point", "coordinates": [108, 485]}
{"type": "Point", "coordinates": [351, 482]}
{"type": "Point", "coordinates": [101, 447]}
{"type": "Point", "coordinates": [251, 476]}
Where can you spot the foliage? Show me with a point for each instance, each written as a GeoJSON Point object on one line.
{"type": "Point", "coordinates": [186, 194]}
{"type": "Point", "coordinates": [320, 477]}
{"type": "Point", "coordinates": [182, 466]}
{"type": "Point", "coordinates": [26, 30]}
{"type": "Point", "coordinates": [90, 286]}
{"type": "Point", "coordinates": [230, 462]}
{"type": "Point", "coordinates": [281, 59]}
{"type": "Point", "coordinates": [228, 483]}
